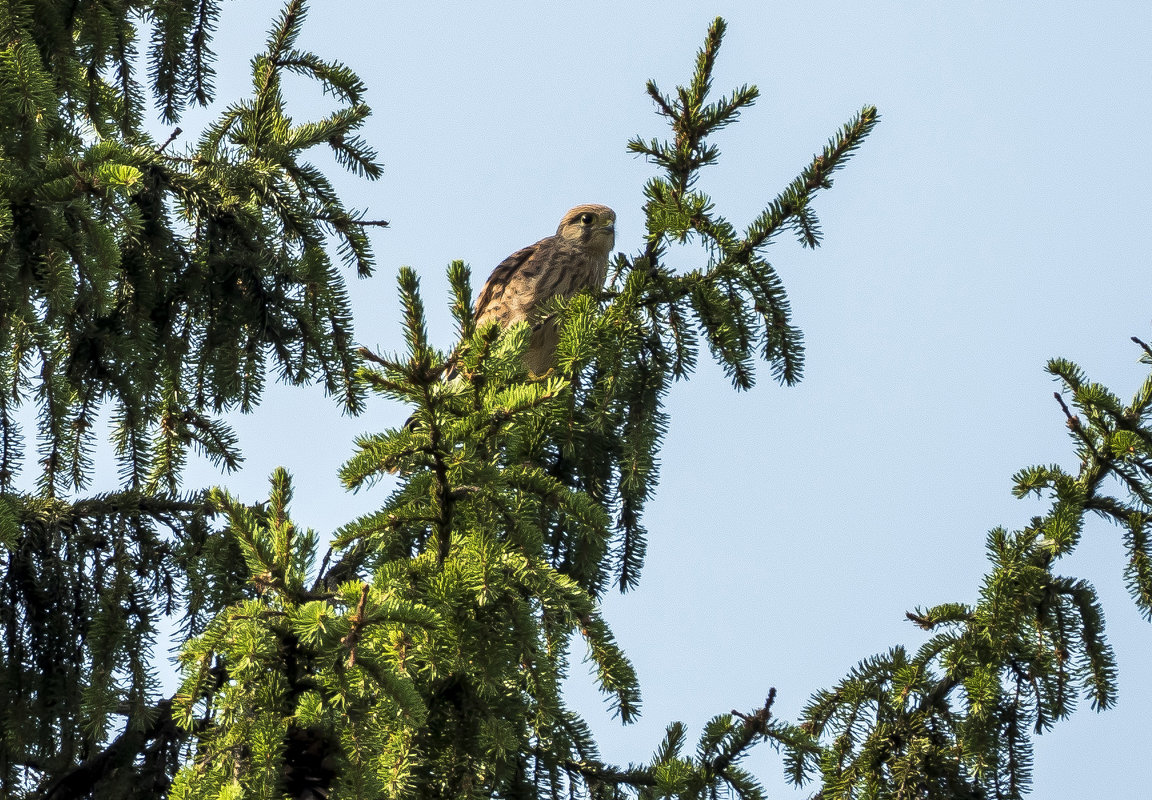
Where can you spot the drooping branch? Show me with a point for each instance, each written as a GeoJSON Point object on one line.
{"type": "Point", "coordinates": [158, 730]}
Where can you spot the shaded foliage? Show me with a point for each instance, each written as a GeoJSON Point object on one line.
{"type": "Point", "coordinates": [156, 283]}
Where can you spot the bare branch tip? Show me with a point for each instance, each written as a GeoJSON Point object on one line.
{"type": "Point", "coordinates": [1073, 420]}
{"type": "Point", "coordinates": [176, 132]}
{"type": "Point", "coordinates": [368, 355]}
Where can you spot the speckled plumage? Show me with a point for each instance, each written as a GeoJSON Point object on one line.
{"type": "Point", "coordinates": [575, 258]}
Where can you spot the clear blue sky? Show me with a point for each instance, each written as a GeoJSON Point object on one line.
{"type": "Point", "coordinates": [998, 216]}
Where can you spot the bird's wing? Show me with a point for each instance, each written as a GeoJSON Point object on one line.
{"type": "Point", "coordinates": [502, 296]}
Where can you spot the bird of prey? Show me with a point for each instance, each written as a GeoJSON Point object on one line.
{"type": "Point", "coordinates": [575, 258]}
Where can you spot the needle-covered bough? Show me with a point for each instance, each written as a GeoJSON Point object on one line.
{"type": "Point", "coordinates": [428, 657]}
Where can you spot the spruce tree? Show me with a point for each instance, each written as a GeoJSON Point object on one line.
{"type": "Point", "coordinates": [426, 657]}
{"type": "Point", "coordinates": [157, 282]}
{"type": "Point", "coordinates": [422, 655]}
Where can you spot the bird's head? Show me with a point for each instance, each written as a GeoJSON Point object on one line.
{"type": "Point", "coordinates": [591, 226]}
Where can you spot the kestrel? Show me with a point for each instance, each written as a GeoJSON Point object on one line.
{"type": "Point", "coordinates": [575, 258]}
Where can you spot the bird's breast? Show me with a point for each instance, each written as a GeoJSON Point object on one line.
{"type": "Point", "coordinates": [571, 272]}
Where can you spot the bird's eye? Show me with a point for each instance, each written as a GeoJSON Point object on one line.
{"type": "Point", "coordinates": [587, 219]}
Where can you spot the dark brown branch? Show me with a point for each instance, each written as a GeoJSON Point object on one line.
{"type": "Point", "coordinates": [126, 503]}
{"type": "Point", "coordinates": [602, 773]}
{"type": "Point", "coordinates": [755, 724]}
{"type": "Point", "coordinates": [171, 138]}
{"type": "Point", "coordinates": [920, 621]}
{"type": "Point", "coordinates": [378, 223]}
{"type": "Point", "coordinates": [78, 782]}
{"type": "Point", "coordinates": [1073, 421]}
{"type": "Point", "coordinates": [357, 622]}
{"type": "Point", "coordinates": [1143, 346]}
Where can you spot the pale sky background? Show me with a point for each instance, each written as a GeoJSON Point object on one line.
{"type": "Point", "coordinates": [998, 216]}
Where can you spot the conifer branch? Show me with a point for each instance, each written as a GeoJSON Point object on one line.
{"type": "Point", "coordinates": [755, 725]}
{"type": "Point", "coordinates": [1021, 656]}
{"type": "Point", "coordinates": [78, 782]}
{"type": "Point", "coordinates": [595, 774]}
